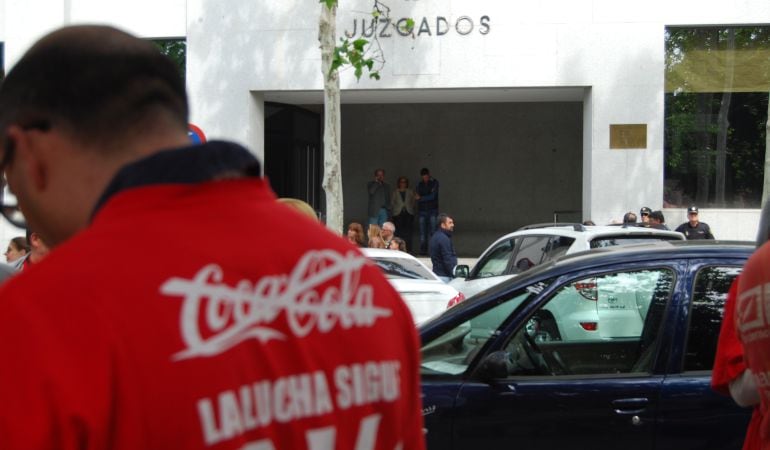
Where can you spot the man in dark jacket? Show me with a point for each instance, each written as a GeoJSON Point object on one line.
{"type": "Point", "coordinates": [427, 204]}
{"type": "Point", "coordinates": [442, 252]}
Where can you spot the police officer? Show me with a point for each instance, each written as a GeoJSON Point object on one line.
{"type": "Point", "coordinates": [693, 228]}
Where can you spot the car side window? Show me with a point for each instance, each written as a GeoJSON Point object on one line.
{"type": "Point", "coordinates": [605, 324]}
{"type": "Point", "coordinates": [530, 253]}
{"type": "Point", "coordinates": [452, 352]}
{"type": "Point", "coordinates": [496, 261]}
{"type": "Point", "coordinates": [706, 309]}
{"type": "Point", "coordinates": [558, 246]}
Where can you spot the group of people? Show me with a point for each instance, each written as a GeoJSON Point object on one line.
{"type": "Point", "coordinates": [693, 229]}
{"type": "Point", "coordinates": [402, 204]}
{"type": "Point", "coordinates": [23, 251]}
{"type": "Point", "coordinates": [375, 236]}
{"type": "Point", "coordinates": [649, 218]}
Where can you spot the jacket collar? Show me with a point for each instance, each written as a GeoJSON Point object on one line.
{"type": "Point", "coordinates": [185, 165]}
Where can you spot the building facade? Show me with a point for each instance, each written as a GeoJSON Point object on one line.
{"type": "Point", "coordinates": [524, 111]}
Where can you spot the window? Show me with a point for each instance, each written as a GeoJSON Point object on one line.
{"type": "Point", "coordinates": [530, 253]}
{"type": "Point", "coordinates": [496, 261]}
{"type": "Point", "coordinates": [611, 241]}
{"type": "Point", "coordinates": [176, 49]}
{"type": "Point", "coordinates": [706, 310]}
{"type": "Point", "coordinates": [717, 81]}
{"type": "Point", "coordinates": [559, 246]}
{"type": "Point", "coordinates": [598, 325]}
{"type": "Point", "coordinates": [403, 268]}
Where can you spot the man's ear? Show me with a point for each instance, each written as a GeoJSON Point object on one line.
{"type": "Point", "coordinates": [29, 147]}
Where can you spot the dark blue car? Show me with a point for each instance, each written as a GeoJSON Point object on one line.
{"type": "Point", "coordinates": [611, 349]}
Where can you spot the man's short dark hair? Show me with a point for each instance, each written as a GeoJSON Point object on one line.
{"type": "Point", "coordinates": [443, 217]}
{"type": "Point", "coordinates": [100, 84]}
{"type": "Point", "coordinates": [424, 171]}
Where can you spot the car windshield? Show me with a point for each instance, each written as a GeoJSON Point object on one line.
{"type": "Point", "coordinates": [403, 268]}
{"type": "Point", "coordinates": [611, 241]}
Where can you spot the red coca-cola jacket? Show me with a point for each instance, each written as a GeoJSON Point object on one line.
{"type": "Point", "coordinates": [200, 314]}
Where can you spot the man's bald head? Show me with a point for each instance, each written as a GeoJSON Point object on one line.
{"type": "Point", "coordinates": [99, 83]}
{"type": "Point", "coordinates": [80, 104]}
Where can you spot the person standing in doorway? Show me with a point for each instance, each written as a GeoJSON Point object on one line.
{"type": "Point", "coordinates": [379, 199]}
{"type": "Point", "coordinates": [694, 229]}
{"type": "Point", "coordinates": [403, 204]}
{"type": "Point", "coordinates": [427, 202]}
{"type": "Point", "coordinates": [442, 251]}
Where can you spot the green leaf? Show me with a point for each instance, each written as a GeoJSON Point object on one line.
{"type": "Point", "coordinates": [374, 75]}
{"type": "Point", "coordinates": [329, 3]}
{"type": "Point", "coordinates": [359, 44]}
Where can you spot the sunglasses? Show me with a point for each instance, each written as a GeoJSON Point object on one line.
{"type": "Point", "coordinates": [9, 206]}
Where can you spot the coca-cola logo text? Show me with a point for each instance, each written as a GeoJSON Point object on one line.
{"type": "Point", "coordinates": [323, 291]}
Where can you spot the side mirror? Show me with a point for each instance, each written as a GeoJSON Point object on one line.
{"type": "Point", "coordinates": [496, 365]}
{"type": "Point", "coordinates": [461, 271]}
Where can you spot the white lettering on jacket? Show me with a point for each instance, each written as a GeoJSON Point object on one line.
{"type": "Point", "coordinates": [323, 290]}
{"type": "Point", "coordinates": [235, 412]}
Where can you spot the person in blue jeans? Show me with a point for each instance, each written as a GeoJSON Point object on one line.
{"type": "Point", "coordinates": [427, 205]}
{"type": "Point", "coordinates": [379, 199]}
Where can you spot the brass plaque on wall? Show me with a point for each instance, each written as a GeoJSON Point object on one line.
{"type": "Point", "coordinates": [628, 135]}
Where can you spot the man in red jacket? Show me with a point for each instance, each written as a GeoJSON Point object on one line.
{"type": "Point", "coordinates": [245, 331]}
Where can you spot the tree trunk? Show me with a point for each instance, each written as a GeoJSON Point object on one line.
{"type": "Point", "coordinates": [332, 181]}
{"type": "Point", "coordinates": [722, 121]}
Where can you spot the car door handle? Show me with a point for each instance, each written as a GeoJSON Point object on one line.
{"type": "Point", "coordinates": [630, 405]}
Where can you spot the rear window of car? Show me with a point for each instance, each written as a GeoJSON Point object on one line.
{"type": "Point", "coordinates": [403, 268]}
{"type": "Point", "coordinates": [611, 241]}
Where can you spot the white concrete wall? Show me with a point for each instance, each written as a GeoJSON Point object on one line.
{"type": "Point", "coordinates": [241, 51]}
{"type": "Point", "coordinates": [24, 21]}
{"type": "Point", "coordinates": [614, 48]}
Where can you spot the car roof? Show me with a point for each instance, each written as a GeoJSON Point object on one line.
{"type": "Point", "coordinates": [591, 231]}
{"type": "Point", "coordinates": [385, 253]}
{"type": "Point", "coordinates": [642, 252]}
{"type": "Point", "coordinates": [583, 233]}
{"type": "Point", "coordinates": [610, 256]}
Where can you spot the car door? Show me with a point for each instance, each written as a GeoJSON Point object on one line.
{"type": "Point", "coordinates": [707, 420]}
{"type": "Point", "coordinates": [585, 391]}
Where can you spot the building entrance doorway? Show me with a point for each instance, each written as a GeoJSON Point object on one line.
{"type": "Point", "coordinates": [293, 153]}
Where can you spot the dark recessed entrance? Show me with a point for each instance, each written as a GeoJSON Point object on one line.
{"type": "Point", "coordinates": [293, 152]}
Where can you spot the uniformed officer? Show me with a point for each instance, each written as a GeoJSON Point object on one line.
{"type": "Point", "coordinates": [693, 228]}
